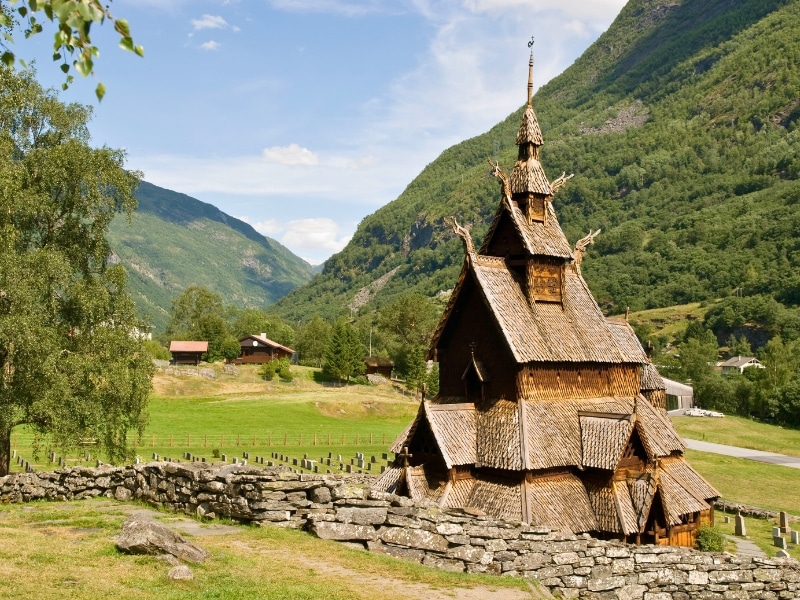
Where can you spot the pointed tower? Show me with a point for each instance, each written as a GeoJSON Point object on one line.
{"type": "Point", "coordinates": [543, 412]}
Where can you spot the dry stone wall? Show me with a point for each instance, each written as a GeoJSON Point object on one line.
{"type": "Point", "coordinates": [344, 509]}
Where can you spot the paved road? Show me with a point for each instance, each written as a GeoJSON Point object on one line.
{"type": "Point", "coordinates": [746, 453]}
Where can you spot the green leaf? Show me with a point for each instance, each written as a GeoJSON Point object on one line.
{"type": "Point", "coordinates": [23, 11]}
{"type": "Point", "coordinates": [57, 56]}
{"type": "Point", "coordinates": [100, 91]}
{"type": "Point", "coordinates": [122, 27]}
{"type": "Point", "coordinates": [7, 58]}
{"type": "Point", "coordinates": [84, 66]}
{"type": "Point", "coordinates": [139, 50]}
{"type": "Point", "coordinates": [65, 67]}
{"type": "Point", "coordinates": [126, 43]}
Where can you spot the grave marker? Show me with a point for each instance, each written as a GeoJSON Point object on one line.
{"type": "Point", "coordinates": [741, 530]}
{"type": "Point", "coordinates": [783, 522]}
{"type": "Point", "coordinates": [795, 537]}
{"type": "Point", "coordinates": [779, 542]}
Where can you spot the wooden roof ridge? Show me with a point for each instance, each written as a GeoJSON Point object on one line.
{"type": "Point", "coordinates": [676, 499]}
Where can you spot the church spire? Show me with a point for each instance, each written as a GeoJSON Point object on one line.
{"type": "Point", "coordinates": [530, 77]}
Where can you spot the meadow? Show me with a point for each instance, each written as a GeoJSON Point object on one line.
{"type": "Point", "coordinates": [234, 414]}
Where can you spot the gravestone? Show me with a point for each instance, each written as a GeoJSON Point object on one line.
{"type": "Point", "coordinates": [727, 519]}
{"type": "Point", "coordinates": [203, 459]}
{"type": "Point", "coordinates": [383, 468]}
{"type": "Point", "coordinates": [782, 554]}
{"type": "Point", "coordinates": [294, 462]}
{"type": "Point", "coordinates": [339, 458]}
{"type": "Point", "coordinates": [235, 460]}
{"type": "Point", "coordinates": [795, 537]}
{"type": "Point", "coordinates": [224, 458]}
{"type": "Point", "coordinates": [13, 454]}
{"type": "Point", "coordinates": [740, 528]}
{"type": "Point", "coordinates": [779, 542]}
{"type": "Point", "coordinates": [783, 522]}
{"type": "Point", "coordinates": [373, 459]}
{"type": "Point", "coordinates": [137, 461]}
{"type": "Point", "coordinates": [385, 456]}
{"type": "Point", "coordinates": [348, 468]}
{"type": "Point", "coordinates": [776, 531]}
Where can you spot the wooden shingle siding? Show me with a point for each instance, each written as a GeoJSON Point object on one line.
{"type": "Point", "coordinates": [559, 501]}
{"type": "Point", "coordinates": [656, 431]}
{"type": "Point", "coordinates": [643, 490]}
{"type": "Point", "coordinates": [497, 497]}
{"type": "Point", "coordinates": [529, 176]}
{"type": "Point", "coordinates": [529, 131]}
{"type": "Point", "coordinates": [625, 510]}
{"type": "Point", "coordinates": [651, 379]}
{"type": "Point", "coordinates": [455, 429]}
{"type": "Point", "coordinates": [690, 480]}
{"type": "Point", "coordinates": [603, 440]}
{"type": "Point", "coordinates": [676, 499]}
{"type": "Point", "coordinates": [460, 493]}
{"type": "Point", "coordinates": [498, 437]}
{"type": "Point", "coordinates": [389, 480]}
{"type": "Point", "coordinates": [569, 381]}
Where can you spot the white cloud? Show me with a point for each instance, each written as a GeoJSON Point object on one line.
{"type": "Point", "coordinates": [340, 7]}
{"type": "Point", "coordinates": [290, 155]}
{"type": "Point", "coordinates": [269, 227]}
{"type": "Point", "coordinates": [309, 236]}
{"type": "Point", "coordinates": [210, 45]}
{"type": "Point", "coordinates": [210, 22]}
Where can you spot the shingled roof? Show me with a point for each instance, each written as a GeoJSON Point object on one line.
{"type": "Point", "coordinates": [548, 411]}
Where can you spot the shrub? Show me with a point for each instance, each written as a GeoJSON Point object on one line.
{"type": "Point", "coordinates": [361, 380]}
{"type": "Point", "coordinates": [710, 539]}
{"type": "Point", "coordinates": [267, 371]}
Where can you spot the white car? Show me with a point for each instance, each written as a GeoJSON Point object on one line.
{"type": "Point", "coordinates": [700, 412]}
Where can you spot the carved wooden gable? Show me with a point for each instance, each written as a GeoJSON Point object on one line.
{"type": "Point", "coordinates": [545, 279]}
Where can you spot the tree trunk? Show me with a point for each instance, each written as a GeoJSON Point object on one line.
{"type": "Point", "coordinates": [5, 451]}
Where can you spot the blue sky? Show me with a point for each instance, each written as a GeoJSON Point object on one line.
{"type": "Point", "coordinates": [302, 117]}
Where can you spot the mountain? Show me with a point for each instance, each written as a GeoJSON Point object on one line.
{"type": "Point", "coordinates": [174, 241]}
{"type": "Point", "coordinates": [680, 125]}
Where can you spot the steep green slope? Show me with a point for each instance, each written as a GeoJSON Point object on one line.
{"type": "Point", "coordinates": [680, 124]}
{"type": "Point", "coordinates": [174, 241]}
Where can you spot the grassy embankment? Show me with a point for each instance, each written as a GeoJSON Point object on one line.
{"type": "Point", "coordinates": [39, 544]}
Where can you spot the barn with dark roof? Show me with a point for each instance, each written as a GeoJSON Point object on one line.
{"type": "Point", "coordinates": [547, 412]}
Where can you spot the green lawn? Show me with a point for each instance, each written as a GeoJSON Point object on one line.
{"type": "Point", "coordinates": [749, 482]}
{"type": "Point", "coordinates": [66, 550]}
{"type": "Point", "coordinates": [737, 431]}
{"type": "Point", "coordinates": [232, 415]}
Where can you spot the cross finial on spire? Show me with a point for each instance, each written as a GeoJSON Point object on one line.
{"type": "Point", "coordinates": [530, 74]}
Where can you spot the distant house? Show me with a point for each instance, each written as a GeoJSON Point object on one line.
{"type": "Point", "coordinates": [379, 365]}
{"type": "Point", "coordinates": [259, 349]}
{"type": "Point", "coordinates": [738, 364]}
{"type": "Point", "coordinates": [679, 395]}
{"type": "Point", "coordinates": [186, 352]}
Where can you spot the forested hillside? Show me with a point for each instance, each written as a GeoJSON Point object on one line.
{"type": "Point", "coordinates": [174, 241]}
{"type": "Point", "coordinates": [680, 125]}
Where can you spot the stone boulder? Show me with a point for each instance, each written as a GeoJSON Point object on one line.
{"type": "Point", "coordinates": [143, 535]}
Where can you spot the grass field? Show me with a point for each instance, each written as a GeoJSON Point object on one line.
{"type": "Point", "coordinates": [737, 431]}
{"type": "Point", "coordinates": [230, 413]}
{"type": "Point", "coordinates": [66, 550]}
{"type": "Point", "coordinates": [236, 414]}
{"type": "Point", "coordinates": [671, 321]}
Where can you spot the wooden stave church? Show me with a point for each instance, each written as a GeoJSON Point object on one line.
{"type": "Point", "coordinates": [547, 412]}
